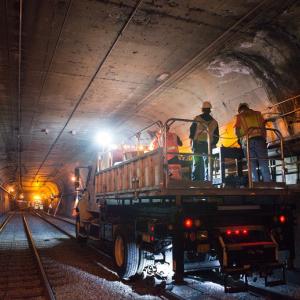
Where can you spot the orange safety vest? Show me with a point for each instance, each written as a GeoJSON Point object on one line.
{"type": "Point", "coordinates": [172, 145]}
{"type": "Point", "coordinates": [248, 119]}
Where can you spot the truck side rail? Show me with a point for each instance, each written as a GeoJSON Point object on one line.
{"type": "Point", "coordinates": [142, 173]}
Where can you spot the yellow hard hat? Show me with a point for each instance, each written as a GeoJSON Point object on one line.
{"type": "Point", "coordinates": [206, 104]}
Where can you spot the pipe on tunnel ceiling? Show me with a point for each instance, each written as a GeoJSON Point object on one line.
{"type": "Point", "coordinates": [101, 63]}
{"type": "Point", "coordinates": [193, 63]}
{"type": "Point", "coordinates": [52, 59]}
{"type": "Point", "coordinates": [19, 95]}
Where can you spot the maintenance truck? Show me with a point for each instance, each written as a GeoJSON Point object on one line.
{"type": "Point", "coordinates": [158, 223]}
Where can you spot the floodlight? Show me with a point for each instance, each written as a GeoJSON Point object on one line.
{"type": "Point", "coordinates": [104, 139]}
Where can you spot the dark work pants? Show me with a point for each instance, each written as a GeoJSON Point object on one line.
{"type": "Point", "coordinates": [200, 164]}
{"type": "Point", "coordinates": [258, 155]}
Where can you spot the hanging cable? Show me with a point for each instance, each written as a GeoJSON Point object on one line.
{"type": "Point", "coordinates": [101, 63]}
{"type": "Point", "coordinates": [19, 141]}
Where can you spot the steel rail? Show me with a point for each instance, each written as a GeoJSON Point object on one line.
{"type": "Point", "coordinates": [49, 292]}
{"type": "Point", "coordinates": [5, 222]}
{"type": "Point", "coordinates": [71, 236]}
{"type": "Point", "coordinates": [60, 218]}
{"type": "Point", "coordinates": [165, 293]}
{"type": "Point", "coordinates": [99, 67]}
{"type": "Point", "coordinates": [267, 293]}
{"type": "Point", "coordinates": [170, 294]}
{"type": "Point", "coordinates": [54, 225]}
{"type": "Point", "coordinates": [251, 289]}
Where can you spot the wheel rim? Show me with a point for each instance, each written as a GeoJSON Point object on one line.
{"type": "Point", "coordinates": [119, 251]}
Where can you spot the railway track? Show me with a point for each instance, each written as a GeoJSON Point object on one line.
{"type": "Point", "coordinates": [195, 287]}
{"type": "Point", "coordinates": [22, 273]}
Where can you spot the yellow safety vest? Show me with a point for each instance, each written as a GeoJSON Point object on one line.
{"type": "Point", "coordinates": [248, 119]}
{"type": "Point", "coordinates": [202, 127]}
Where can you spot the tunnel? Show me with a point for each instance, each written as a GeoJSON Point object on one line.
{"type": "Point", "coordinates": [71, 69]}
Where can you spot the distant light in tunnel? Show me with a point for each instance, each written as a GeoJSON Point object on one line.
{"type": "Point", "coordinates": [36, 197]}
{"type": "Point", "coordinates": [73, 178]}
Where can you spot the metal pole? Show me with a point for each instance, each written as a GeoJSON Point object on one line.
{"type": "Point", "coordinates": [165, 161]}
{"type": "Point", "coordinates": [56, 208]}
{"type": "Point", "coordinates": [248, 160]}
{"type": "Point", "coordinates": [209, 155]}
{"type": "Point", "coordinates": [279, 135]}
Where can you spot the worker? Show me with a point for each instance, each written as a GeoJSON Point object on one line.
{"type": "Point", "coordinates": [173, 141]}
{"type": "Point", "coordinates": [246, 119]}
{"type": "Point", "coordinates": [198, 138]}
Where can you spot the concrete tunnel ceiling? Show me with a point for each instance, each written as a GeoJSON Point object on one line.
{"type": "Point", "coordinates": [59, 84]}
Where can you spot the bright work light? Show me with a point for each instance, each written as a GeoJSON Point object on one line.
{"type": "Point", "coordinates": [104, 139]}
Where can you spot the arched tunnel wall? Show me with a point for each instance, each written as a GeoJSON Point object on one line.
{"type": "Point", "coordinates": [4, 202]}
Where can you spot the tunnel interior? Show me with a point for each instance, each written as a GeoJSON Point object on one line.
{"type": "Point", "coordinates": [71, 68]}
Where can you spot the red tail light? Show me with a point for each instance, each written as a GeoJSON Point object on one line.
{"type": "Point", "coordinates": [236, 231]}
{"type": "Point", "coordinates": [282, 219]}
{"type": "Point", "coordinates": [188, 223]}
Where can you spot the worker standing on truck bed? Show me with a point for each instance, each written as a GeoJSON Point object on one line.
{"type": "Point", "coordinates": [173, 141]}
{"type": "Point", "coordinates": [246, 119]}
{"type": "Point", "coordinates": [198, 137]}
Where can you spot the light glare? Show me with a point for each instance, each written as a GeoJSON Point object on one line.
{"type": "Point", "coordinates": [104, 138]}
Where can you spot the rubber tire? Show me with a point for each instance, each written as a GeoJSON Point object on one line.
{"type": "Point", "coordinates": [79, 238]}
{"type": "Point", "coordinates": [142, 261]}
{"type": "Point", "coordinates": [124, 244]}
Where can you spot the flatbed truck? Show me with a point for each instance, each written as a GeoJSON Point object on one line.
{"type": "Point", "coordinates": [164, 227]}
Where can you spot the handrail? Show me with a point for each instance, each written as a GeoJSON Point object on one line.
{"type": "Point", "coordinates": [167, 125]}
{"type": "Point", "coordinates": [279, 135]}
{"type": "Point", "coordinates": [283, 101]}
{"type": "Point", "coordinates": [138, 133]}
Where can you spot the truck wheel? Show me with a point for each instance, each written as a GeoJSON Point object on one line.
{"type": "Point", "coordinates": [142, 262]}
{"type": "Point", "coordinates": [78, 232]}
{"type": "Point", "coordinates": [126, 254]}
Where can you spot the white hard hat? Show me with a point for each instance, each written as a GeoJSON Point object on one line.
{"type": "Point", "coordinates": [206, 104]}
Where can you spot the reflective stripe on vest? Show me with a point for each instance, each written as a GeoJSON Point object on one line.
{"type": "Point", "coordinates": [250, 119]}
{"type": "Point", "coordinates": [201, 130]}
